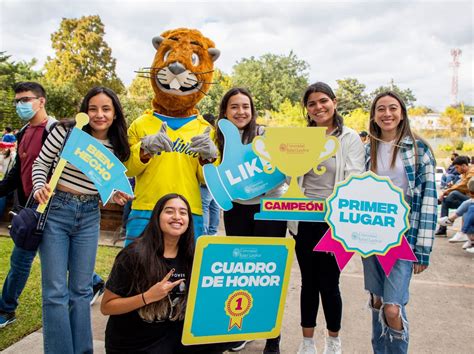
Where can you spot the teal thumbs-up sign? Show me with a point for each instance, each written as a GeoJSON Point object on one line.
{"type": "Point", "coordinates": [241, 174]}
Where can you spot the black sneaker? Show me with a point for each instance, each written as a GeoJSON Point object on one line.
{"type": "Point", "coordinates": [272, 346]}
{"type": "Point", "coordinates": [98, 289]}
{"type": "Point", "coordinates": [6, 318]}
{"type": "Point", "coordinates": [441, 231]}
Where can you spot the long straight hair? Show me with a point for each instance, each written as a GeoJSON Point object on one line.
{"type": "Point", "coordinates": [250, 129]}
{"type": "Point", "coordinates": [322, 87]}
{"type": "Point", "coordinates": [403, 130]}
{"type": "Point", "coordinates": [146, 254]}
{"type": "Point", "coordinates": [117, 132]}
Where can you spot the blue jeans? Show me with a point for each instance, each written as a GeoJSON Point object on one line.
{"type": "Point", "coordinates": [20, 267]}
{"type": "Point", "coordinates": [210, 212]}
{"type": "Point", "coordinates": [392, 290]}
{"type": "Point", "coordinates": [68, 251]}
{"type": "Point", "coordinates": [449, 177]}
{"type": "Point", "coordinates": [138, 220]}
{"type": "Point", "coordinates": [468, 222]}
{"type": "Point", "coordinates": [452, 201]}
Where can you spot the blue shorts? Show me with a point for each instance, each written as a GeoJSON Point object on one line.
{"type": "Point", "coordinates": [392, 289]}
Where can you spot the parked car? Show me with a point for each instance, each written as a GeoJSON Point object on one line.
{"type": "Point", "coordinates": [439, 172]}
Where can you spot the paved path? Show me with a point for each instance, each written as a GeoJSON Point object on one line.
{"type": "Point", "coordinates": [441, 309]}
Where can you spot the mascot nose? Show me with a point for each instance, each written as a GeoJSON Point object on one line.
{"type": "Point", "coordinates": [176, 68]}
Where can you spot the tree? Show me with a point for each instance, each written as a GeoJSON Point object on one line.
{"type": "Point", "coordinates": [407, 94]}
{"type": "Point", "coordinates": [272, 78]}
{"type": "Point", "coordinates": [466, 109]}
{"type": "Point", "coordinates": [350, 96]}
{"type": "Point", "coordinates": [137, 98]}
{"type": "Point", "coordinates": [419, 111]}
{"type": "Point", "coordinates": [82, 57]}
{"type": "Point", "coordinates": [453, 120]}
{"type": "Point", "coordinates": [288, 115]}
{"type": "Point", "coordinates": [10, 73]}
{"type": "Point", "coordinates": [210, 103]}
{"type": "Point", "coordinates": [358, 120]}
{"type": "Point", "coordinates": [63, 100]}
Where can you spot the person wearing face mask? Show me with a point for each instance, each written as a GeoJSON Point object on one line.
{"type": "Point", "coordinates": [30, 103]}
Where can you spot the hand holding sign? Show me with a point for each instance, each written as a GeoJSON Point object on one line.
{"type": "Point", "coordinates": [242, 174]}
{"type": "Point", "coordinates": [155, 144]}
{"type": "Point", "coordinates": [121, 198]}
{"type": "Point", "coordinates": [42, 195]}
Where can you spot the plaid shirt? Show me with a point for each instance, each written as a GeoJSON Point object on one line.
{"type": "Point", "coordinates": [421, 196]}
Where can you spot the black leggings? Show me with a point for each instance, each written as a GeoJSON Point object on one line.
{"type": "Point", "coordinates": [319, 275]}
{"type": "Point", "coordinates": [239, 221]}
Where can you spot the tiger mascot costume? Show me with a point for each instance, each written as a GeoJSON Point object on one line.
{"type": "Point", "coordinates": [170, 143]}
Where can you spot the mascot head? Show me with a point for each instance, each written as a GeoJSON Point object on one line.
{"type": "Point", "coordinates": [182, 70]}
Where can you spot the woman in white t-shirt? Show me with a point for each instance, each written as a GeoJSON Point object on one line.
{"type": "Point", "coordinates": [395, 152]}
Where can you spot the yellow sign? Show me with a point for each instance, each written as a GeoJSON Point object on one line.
{"type": "Point", "coordinates": [295, 151]}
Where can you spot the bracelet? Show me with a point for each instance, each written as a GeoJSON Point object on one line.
{"type": "Point", "coordinates": [143, 298]}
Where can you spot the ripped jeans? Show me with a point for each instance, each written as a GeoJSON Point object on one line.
{"type": "Point", "coordinates": [392, 290]}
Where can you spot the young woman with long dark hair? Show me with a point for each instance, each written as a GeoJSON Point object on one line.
{"type": "Point", "coordinates": [237, 106]}
{"type": "Point", "coordinates": [319, 271]}
{"type": "Point", "coordinates": [70, 238]}
{"type": "Point", "coordinates": [396, 152]}
{"type": "Point", "coordinates": [147, 289]}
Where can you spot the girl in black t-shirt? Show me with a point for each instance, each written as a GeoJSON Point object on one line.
{"type": "Point", "coordinates": [146, 291]}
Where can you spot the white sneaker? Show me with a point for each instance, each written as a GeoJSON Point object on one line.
{"type": "Point", "coordinates": [459, 237]}
{"type": "Point", "coordinates": [239, 346]}
{"type": "Point", "coordinates": [470, 250]}
{"type": "Point", "coordinates": [307, 348]}
{"type": "Point", "coordinates": [444, 221]}
{"type": "Point", "coordinates": [333, 345]}
{"type": "Point", "coordinates": [467, 244]}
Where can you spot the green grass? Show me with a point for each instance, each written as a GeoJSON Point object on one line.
{"type": "Point", "coordinates": [28, 313]}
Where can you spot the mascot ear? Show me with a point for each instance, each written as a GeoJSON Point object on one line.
{"type": "Point", "coordinates": [157, 41]}
{"type": "Point", "coordinates": [214, 53]}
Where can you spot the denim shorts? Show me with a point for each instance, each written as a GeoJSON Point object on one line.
{"type": "Point", "coordinates": [392, 289]}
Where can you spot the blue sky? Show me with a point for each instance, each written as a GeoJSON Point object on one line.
{"type": "Point", "coordinates": [373, 41]}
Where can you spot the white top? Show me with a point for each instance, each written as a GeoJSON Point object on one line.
{"type": "Point", "coordinates": [397, 174]}
{"type": "Point", "coordinates": [320, 186]}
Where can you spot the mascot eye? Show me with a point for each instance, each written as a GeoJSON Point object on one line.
{"type": "Point", "coordinates": [167, 54]}
{"type": "Point", "coordinates": [195, 59]}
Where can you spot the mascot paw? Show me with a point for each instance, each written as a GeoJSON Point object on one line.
{"type": "Point", "coordinates": [204, 146]}
{"type": "Point", "coordinates": [155, 144]}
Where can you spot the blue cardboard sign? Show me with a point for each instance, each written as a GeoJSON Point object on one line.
{"type": "Point", "coordinates": [242, 174]}
{"type": "Point", "coordinates": [97, 162]}
{"type": "Point", "coordinates": [238, 289]}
